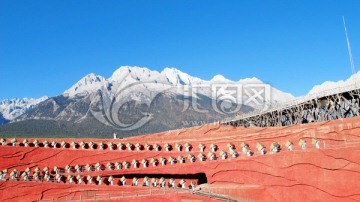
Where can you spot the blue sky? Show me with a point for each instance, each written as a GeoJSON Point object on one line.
{"type": "Point", "coordinates": [47, 46]}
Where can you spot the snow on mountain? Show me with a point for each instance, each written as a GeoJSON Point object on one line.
{"type": "Point", "coordinates": [177, 77]}
{"type": "Point", "coordinates": [252, 80]}
{"type": "Point", "coordinates": [87, 84]}
{"type": "Point", "coordinates": [278, 96]}
{"type": "Point", "coordinates": [124, 76]}
{"type": "Point", "coordinates": [220, 79]}
{"type": "Point", "coordinates": [136, 92]}
{"type": "Point", "coordinates": [129, 74]}
{"type": "Point", "coordinates": [329, 85]}
{"type": "Point", "coordinates": [12, 108]}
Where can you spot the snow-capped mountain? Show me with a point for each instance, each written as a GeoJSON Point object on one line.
{"type": "Point", "coordinates": [172, 77]}
{"type": "Point", "coordinates": [329, 85]}
{"type": "Point", "coordinates": [12, 108]}
{"type": "Point", "coordinates": [220, 79]}
{"type": "Point", "coordinates": [177, 77]}
{"type": "Point", "coordinates": [137, 100]}
{"type": "Point", "coordinates": [86, 84]}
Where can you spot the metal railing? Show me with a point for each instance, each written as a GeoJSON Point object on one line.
{"type": "Point", "coordinates": [93, 196]}
{"type": "Point", "coordinates": [345, 144]}
{"type": "Point", "coordinates": [297, 101]}
{"type": "Point", "coordinates": [223, 195]}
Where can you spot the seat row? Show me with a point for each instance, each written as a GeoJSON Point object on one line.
{"type": "Point", "coordinates": [156, 147]}
{"type": "Point", "coordinates": [89, 179]}
{"type": "Point", "coordinates": [102, 146]}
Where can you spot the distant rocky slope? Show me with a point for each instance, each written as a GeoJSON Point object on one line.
{"type": "Point", "coordinates": [330, 85]}
{"type": "Point", "coordinates": [12, 108]}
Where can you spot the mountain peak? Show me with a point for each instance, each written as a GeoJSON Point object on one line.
{"type": "Point", "coordinates": [12, 108]}
{"type": "Point", "coordinates": [120, 73]}
{"type": "Point", "coordinates": [86, 84]}
{"type": "Point", "coordinates": [329, 85]}
{"type": "Point", "coordinates": [220, 78]}
{"type": "Point", "coordinates": [90, 78]}
{"type": "Point", "coordinates": [177, 77]}
{"type": "Point", "coordinates": [137, 73]}
{"type": "Point", "coordinates": [173, 76]}
{"type": "Point", "coordinates": [171, 70]}
{"type": "Point", "coordinates": [250, 80]}
{"type": "Point", "coordinates": [168, 69]}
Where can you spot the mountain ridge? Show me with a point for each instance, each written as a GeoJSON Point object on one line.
{"type": "Point", "coordinates": [328, 85]}
{"type": "Point", "coordinates": [168, 76]}
{"type": "Point", "coordinates": [136, 100]}
{"type": "Point", "coordinates": [92, 82]}
{"type": "Point", "coordinates": [15, 107]}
